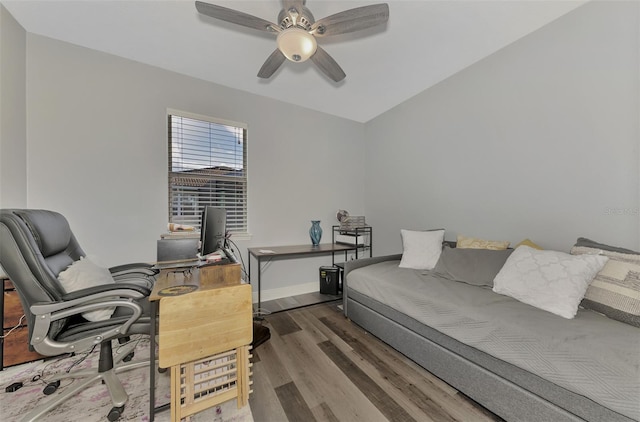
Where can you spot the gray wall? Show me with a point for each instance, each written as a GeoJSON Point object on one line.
{"type": "Point", "coordinates": [97, 152]}
{"type": "Point", "coordinates": [13, 125]}
{"type": "Point", "coordinates": [539, 140]}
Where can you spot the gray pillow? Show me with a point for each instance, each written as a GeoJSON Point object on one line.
{"type": "Point", "coordinates": [472, 266]}
{"type": "Point", "coordinates": [588, 243]}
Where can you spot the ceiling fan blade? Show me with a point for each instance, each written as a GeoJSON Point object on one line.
{"type": "Point", "coordinates": [235, 16]}
{"type": "Point", "coordinates": [327, 65]}
{"type": "Point", "coordinates": [351, 20]}
{"type": "Point", "coordinates": [272, 64]}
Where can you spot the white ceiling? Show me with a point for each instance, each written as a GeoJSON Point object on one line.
{"type": "Point", "coordinates": [424, 42]}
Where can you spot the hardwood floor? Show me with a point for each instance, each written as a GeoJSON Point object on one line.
{"type": "Point", "coordinates": [319, 366]}
{"type": "Point", "coordinates": [293, 302]}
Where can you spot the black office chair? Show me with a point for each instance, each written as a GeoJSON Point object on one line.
{"type": "Point", "coordinates": [35, 246]}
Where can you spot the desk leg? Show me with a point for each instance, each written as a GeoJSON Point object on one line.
{"type": "Point", "coordinates": [259, 270]}
{"type": "Point", "coordinates": [249, 278]}
{"type": "Point", "coordinates": [152, 360]}
{"type": "Point", "coordinates": [152, 364]}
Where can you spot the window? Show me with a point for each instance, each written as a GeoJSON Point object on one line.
{"type": "Point", "coordinates": [207, 167]}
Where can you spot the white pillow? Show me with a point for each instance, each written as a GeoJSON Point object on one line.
{"type": "Point", "coordinates": [550, 280]}
{"type": "Point", "coordinates": [82, 274]}
{"type": "Point", "coordinates": [421, 249]}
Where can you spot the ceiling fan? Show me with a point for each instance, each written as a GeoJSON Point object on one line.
{"type": "Point", "coordinates": [297, 32]}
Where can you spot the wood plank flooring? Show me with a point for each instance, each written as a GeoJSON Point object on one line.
{"type": "Point", "coordinates": [293, 302]}
{"type": "Point", "coordinates": [319, 366]}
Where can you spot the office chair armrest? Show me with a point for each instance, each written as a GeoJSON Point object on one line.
{"type": "Point", "coordinates": [110, 288]}
{"type": "Point", "coordinates": [47, 313]}
{"type": "Point", "coordinates": [76, 305]}
{"type": "Point", "coordinates": [137, 279]}
{"type": "Point", "coordinates": [139, 268]}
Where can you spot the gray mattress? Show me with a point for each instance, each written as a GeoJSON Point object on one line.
{"type": "Point", "coordinates": [590, 356]}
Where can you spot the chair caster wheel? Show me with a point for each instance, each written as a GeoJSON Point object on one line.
{"type": "Point", "coordinates": [51, 387]}
{"type": "Point", "coordinates": [128, 357]}
{"type": "Point", "coordinates": [115, 413]}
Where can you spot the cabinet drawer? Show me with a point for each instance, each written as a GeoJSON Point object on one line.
{"type": "Point", "coordinates": [16, 348]}
{"type": "Point", "coordinates": [12, 309]}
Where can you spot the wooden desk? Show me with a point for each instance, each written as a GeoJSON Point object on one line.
{"type": "Point", "coordinates": [281, 252]}
{"type": "Point", "coordinates": [205, 278]}
{"type": "Point", "coordinates": [203, 312]}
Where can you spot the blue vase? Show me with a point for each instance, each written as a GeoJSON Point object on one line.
{"type": "Point", "coordinates": [315, 232]}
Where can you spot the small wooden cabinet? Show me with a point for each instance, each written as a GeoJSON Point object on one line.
{"type": "Point", "coordinates": [205, 337]}
{"type": "Point", "coordinates": [15, 332]}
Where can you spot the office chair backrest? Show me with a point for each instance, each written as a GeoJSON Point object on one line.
{"type": "Point", "coordinates": [35, 246]}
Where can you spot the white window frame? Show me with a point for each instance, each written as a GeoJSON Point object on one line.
{"type": "Point", "coordinates": [190, 219]}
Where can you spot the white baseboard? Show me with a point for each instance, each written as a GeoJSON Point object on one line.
{"type": "Point", "coordinates": [297, 289]}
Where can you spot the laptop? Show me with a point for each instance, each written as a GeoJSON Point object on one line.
{"type": "Point", "coordinates": [177, 253]}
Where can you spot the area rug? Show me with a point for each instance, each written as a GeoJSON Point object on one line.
{"type": "Point", "coordinates": [94, 403]}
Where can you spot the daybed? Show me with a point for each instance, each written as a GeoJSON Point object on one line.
{"type": "Point", "coordinates": [520, 362]}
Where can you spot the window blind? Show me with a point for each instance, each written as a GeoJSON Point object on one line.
{"type": "Point", "coordinates": [207, 167]}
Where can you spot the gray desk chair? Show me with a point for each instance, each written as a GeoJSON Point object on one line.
{"type": "Point", "coordinates": [35, 247]}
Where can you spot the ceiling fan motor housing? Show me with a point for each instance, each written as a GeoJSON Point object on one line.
{"type": "Point", "coordinates": [304, 20]}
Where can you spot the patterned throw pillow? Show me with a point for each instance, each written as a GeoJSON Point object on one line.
{"type": "Point", "coordinates": [550, 280]}
{"type": "Point", "coordinates": [615, 291]}
{"type": "Point", "coordinates": [475, 243]}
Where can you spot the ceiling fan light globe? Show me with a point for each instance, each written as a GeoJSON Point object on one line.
{"type": "Point", "coordinates": [297, 44]}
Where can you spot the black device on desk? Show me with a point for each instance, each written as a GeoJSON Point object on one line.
{"type": "Point", "coordinates": [213, 237]}
{"type": "Point", "coordinates": [213, 228]}
{"type": "Point", "coordinates": [176, 249]}
{"type": "Point", "coordinates": [176, 253]}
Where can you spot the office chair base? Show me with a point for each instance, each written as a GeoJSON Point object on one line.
{"type": "Point", "coordinates": [51, 388]}
{"type": "Point", "coordinates": [54, 380]}
{"type": "Point", "coordinates": [118, 395]}
{"type": "Point", "coordinates": [115, 413]}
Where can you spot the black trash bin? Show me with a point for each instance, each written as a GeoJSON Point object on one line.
{"type": "Point", "coordinates": [329, 280]}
